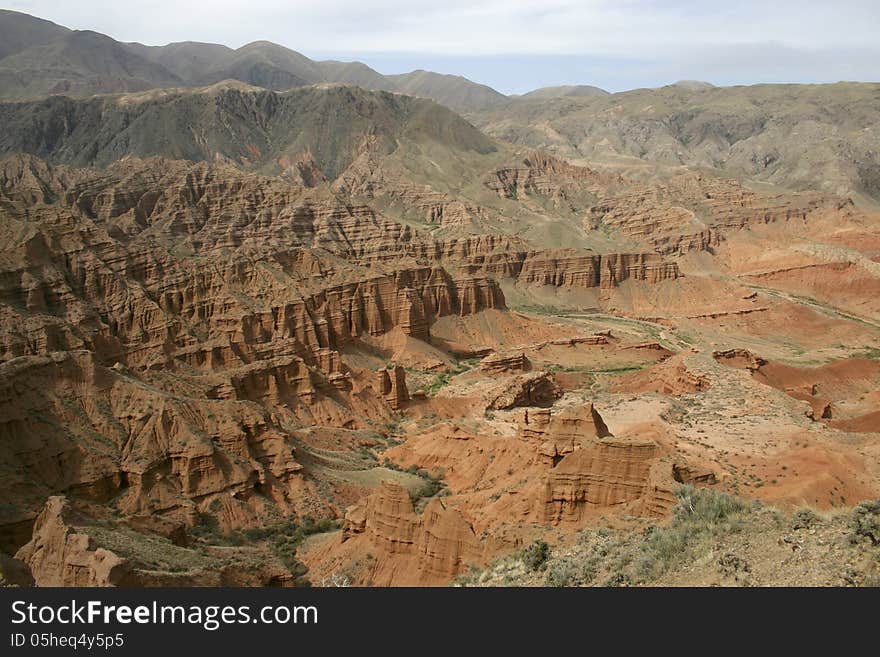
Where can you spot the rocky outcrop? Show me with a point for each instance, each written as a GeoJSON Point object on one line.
{"type": "Point", "coordinates": [576, 269]}
{"type": "Point", "coordinates": [391, 384]}
{"type": "Point", "coordinates": [535, 423]}
{"type": "Point", "coordinates": [286, 381]}
{"type": "Point", "coordinates": [541, 174]}
{"type": "Point", "coordinates": [66, 550]}
{"type": "Point", "coordinates": [588, 469]}
{"type": "Point", "coordinates": [111, 263]}
{"type": "Point", "coordinates": [669, 377]}
{"type": "Point", "coordinates": [530, 389]}
{"type": "Point", "coordinates": [691, 211]}
{"type": "Point", "coordinates": [59, 555]}
{"type": "Point", "coordinates": [409, 299]}
{"type": "Point", "coordinates": [505, 364]}
{"type": "Point", "coordinates": [564, 432]}
{"type": "Point", "coordinates": [71, 425]}
{"type": "Point", "coordinates": [686, 473]}
{"type": "Point", "coordinates": [439, 542]}
{"type": "Point", "coordinates": [411, 315]}
{"type": "Point", "coordinates": [167, 325]}
{"type": "Point", "coordinates": [367, 178]}
{"type": "Point", "coordinates": [608, 473]}
{"type": "Point", "coordinates": [740, 359]}
{"type": "Point", "coordinates": [137, 298]}
{"type": "Point", "coordinates": [387, 517]}
{"type": "Point", "coordinates": [667, 228]}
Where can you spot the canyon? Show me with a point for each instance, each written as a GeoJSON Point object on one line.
{"type": "Point", "coordinates": [306, 332]}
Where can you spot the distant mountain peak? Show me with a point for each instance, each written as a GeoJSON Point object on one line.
{"type": "Point", "coordinates": [564, 91]}
{"type": "Point", "coordinates": [693, 85]}
{"type": "Point", "coordinates": [85, 62]}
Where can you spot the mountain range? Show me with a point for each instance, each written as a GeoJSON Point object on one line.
{"type": "Point", "coordinates": [797, 136]}
{"type": "Point", "coordinates": [38, 57]}
{"type": "Point", "coordinates": [801, 136]}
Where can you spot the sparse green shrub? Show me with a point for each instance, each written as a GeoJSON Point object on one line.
{"type": "Point", "coordinates": [440, 380]}
{"type": "Point", "coordinates": [731, 564]}
{"type": "Point", "coordinates": [536, 555]}
{"type": "Point", "coordinates": [286, 536]}
{"type": "Point", "coordinates": [429, 488]}
{"type": "Point", "coordinates": [804, 519]}
{"type": "Point", "coordinates": [395, 426]}
{"type": "Point", "coordinates": [258, 533]}
{"type": "Point", "coordinates": [865, 522]}
{"type": "Point", "coordinates": [869, 352]}
{"type": "Point", "coordinates": [391, 465]}
{"type": "Point", "coordinates": [617, 579]}
{"type": "Point", "coordinates": [699, 512]}
{"type": "Point", "coordinates": [704, 506]}
{"type": "Point", "coordinates": [569, 572]}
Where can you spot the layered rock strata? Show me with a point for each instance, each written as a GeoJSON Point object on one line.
{"type": "Point", "coordinates": [588, 469]}
{"type": "Point", "coordinates": [505, 364]}
{"type": "Point", "coordinates": [440, 542]}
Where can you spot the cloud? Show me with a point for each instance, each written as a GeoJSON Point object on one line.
{"type": "Point", "coordinates": [597, 27]}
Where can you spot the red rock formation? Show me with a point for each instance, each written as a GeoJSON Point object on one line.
{"type": "Point", "coordinates": [567, 431]}
{"type": "Point", "coordinates": [59, 555]}
{"type": "Point", "coordinates": [530, 389]}
{"type": "Point", "coordinates": [367, 178]}
{"type": "Point", "coordinates": [505, 364]}
{"type": "Point", "coordinates": [535, 423]}
{"type": "Point", "coordinates": [669, 229]}
{"type": "Point", "coordinates": [610, 472]}
{"type": "Point", "coordinates": [69, 424]}
{"type": "Point", "coordinates": [191, 341]}
{"type": "Point", "coordinates": [692, 211]}
{"type": "Point", "coordinates": [436, 545]}
{"type": "Point", "coordinates": [574, 269]}
{"type": "Point", "coordinates": [686, 473]}
{"type": "Point", "coordinates": [588, 469]}
{"type": "Point", "coordinates": [166, 323]}
{"type": "Point", "coordinates": [669, 377]}
{"type": "Point", "coordinates": [64, 551]}
{"type": "Point", "coordinates": [391, 384]}
{"type": "Point", "coordinates": [739, 358]}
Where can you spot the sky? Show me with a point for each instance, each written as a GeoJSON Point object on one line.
{"type": "Point", "coordinates": [518, 45]}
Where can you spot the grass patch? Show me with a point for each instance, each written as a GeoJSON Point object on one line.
{"type": "Point", "coordinates": [699, 514]}
{"type": "Point", "coordinates": [868, 352]}
{"type": "Point", "coordinates": [571, 572]}
{"type": "Point", "coordinates": [440, 380]}
{"type": "Point", "coordinates": [431, 484]}
{"type": "Point", "coordinates": [540, 309]}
